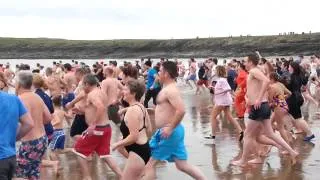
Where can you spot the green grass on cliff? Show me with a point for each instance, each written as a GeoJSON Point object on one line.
{"type": "Point", "coordinates": [248, 41]}
{"type": "Point", "coordinates": [129, 48]}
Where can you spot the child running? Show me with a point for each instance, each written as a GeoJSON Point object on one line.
{"type": "Point", "coordinates": [58, 140]}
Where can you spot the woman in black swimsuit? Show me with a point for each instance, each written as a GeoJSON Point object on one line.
{"type": "Point", "coordinates": [295, 101]}
{"type": "Point", "coordinates": [134, 128]}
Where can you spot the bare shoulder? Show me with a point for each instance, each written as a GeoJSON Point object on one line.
{"type": "Point", "coordinates": [134, 109]}
{"type": "Point", "coordinates": [172, 91]}
{"type": "Point", "coordinates": [255, 71]}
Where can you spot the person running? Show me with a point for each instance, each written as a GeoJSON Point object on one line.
{"type": "Point", "coordinates": [98, 135]}
{"type": "Point", "coordinates": [153, 88]}
{"type": "Point", "coordinates": [4, 87]}
{"type": "Point", "coordinates": [295, 101]}
{"type": "Point", "coordinates": [54, 83]}
{"type": "Point", "coordinates": [34, 144]}
{"type": "Point", "coordinates": [239, 101]}
{"type": "Point", "coordinates": [259, 113]}
{"type": "Point", "coordinates": [203, 78]}
{"type": "Point", "coordinates": [223, 101]}
{"type": "Point", "coordinates": [277, 94]}
{"type": "Point", "coordinates": [112, 87]}
{"type": "Point", "coordinates": [38, 84]}
{"type": "Point", "coordinates": [167, 143]}
{"type": "Point", "coordinates": [231, 76]}
{"type": "Point", "coordinates": [116, 69]}
{"type": "Point", "coordinates": [15, 123]}
{"type": "Point", "coordinates": [79, 124]}
{"type": "Point", "coordinates": [58, 139]}
{"type": "Point", "coordinates": [135, 129]}
{"type": "Point", "coordinates": [192, 73]}
{"type": "Point", "coordinates": [9, 74]}
{"type": "Point", "coordinates": [70, 81]}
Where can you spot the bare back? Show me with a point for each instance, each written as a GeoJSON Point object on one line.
{"type": "Point", "coordinates": [277, 89]}
{"type": "Point", "coordinates": [58, 119]}
{"type": "Point", "coordinates": [110, 86]}
{"type": "Point", "coordinates": [54, 85]}
{"type": "Point", "coordinates": [71, 81]}
{"type": "Point", "coordinates": [39, 113]}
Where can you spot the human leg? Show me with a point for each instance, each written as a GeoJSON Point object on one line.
{"type": "Point", "coordinates": [235, 123]}
{"type": "Point", "coordinates": [215, 112]}
{"type": "Point", "coordinates": [270, 133]}
{"type": "Point", "coordinates": [189, 169]}
{"type": "Point", "coordinates": [147, 98]}
{"type": "Point", "coordinates": [134, 167]}
{"type": "Point", "coordinates": [84, 168]}
{"type": "Point", "coordinates": [251, 133]}
{"type": "Point", "coordinates": [150, 170]}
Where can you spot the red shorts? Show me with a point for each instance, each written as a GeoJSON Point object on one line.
{"type": "Point", "coordinates": [201, 82]}
{"type": "Point", "coordinates": [99, 142]}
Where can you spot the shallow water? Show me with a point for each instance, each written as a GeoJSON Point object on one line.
{"type": "Point", "coordinates": [213, 160]}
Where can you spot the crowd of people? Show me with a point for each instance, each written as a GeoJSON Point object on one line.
{"type": "Point", "coordinates": [266, 94]}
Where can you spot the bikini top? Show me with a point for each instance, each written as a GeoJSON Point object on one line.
{"type": "Point", "coordinates": [124, 128]}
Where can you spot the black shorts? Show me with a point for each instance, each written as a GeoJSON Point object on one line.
{"type": "Point", "coordinates": [7, 168]}
{"type": "Point", "coordinates": [263, 113]}
{"type": "Point", "coordinates": [78, 126]}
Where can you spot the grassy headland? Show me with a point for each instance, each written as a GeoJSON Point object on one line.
{"type": "Point", "coordinates": [40, 48]}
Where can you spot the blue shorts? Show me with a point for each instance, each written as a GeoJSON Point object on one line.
{"type": "Point", "coordinates": [58, 140]}
{"type": "Point", "coordinates": [171, 148]}
{"type": "Point", "coordinates": [192, 77]}
{"type": "Point", "coordinates": [67, 98]}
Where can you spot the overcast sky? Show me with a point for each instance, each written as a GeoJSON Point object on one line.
{"type": "Point", "coordinates": [155, 19]}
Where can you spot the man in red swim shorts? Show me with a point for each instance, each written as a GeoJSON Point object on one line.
{"type": "Point", "coordinates": [97, 137]}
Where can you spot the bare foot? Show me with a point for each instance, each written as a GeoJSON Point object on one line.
{"type": "Point", "coordinates": [256, 160]}
{"type": "Point", "coordinates": [266, 151]}
{"type": "Point", "coordinates": [284, 152]}
{"type": "Point", "coordinates": [299, 132]}
{"type": "Point", "coordinates": [238, 163]}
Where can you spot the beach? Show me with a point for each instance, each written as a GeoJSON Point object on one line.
{"type": "Point", "coordinates": [213, 160]}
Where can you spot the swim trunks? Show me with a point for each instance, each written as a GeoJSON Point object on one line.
{"type": "Point", "coordinates": [29, 158]}
{"type": "Point", "coordinates": [170, 148]}
{"type": "Point", "coordinates": [203, 82]}
{"type": "Point", "coordinates": [113, 113]}
{"type": "Point", "coordinates": [98, 142]}
{"type": "Point", "coordinates": [263, 113]}
{"type": "Point", "coordinates": [78, 126]}
{"type": "Point", "coordinates": [192, 77]}
{"type": "Point", "coordinates": [58, 140]}
{"type": "Point", "coordinates": [67, 98]}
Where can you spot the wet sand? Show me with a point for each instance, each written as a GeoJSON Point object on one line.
{"type": "Point", "coordinates": [213, 160]}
